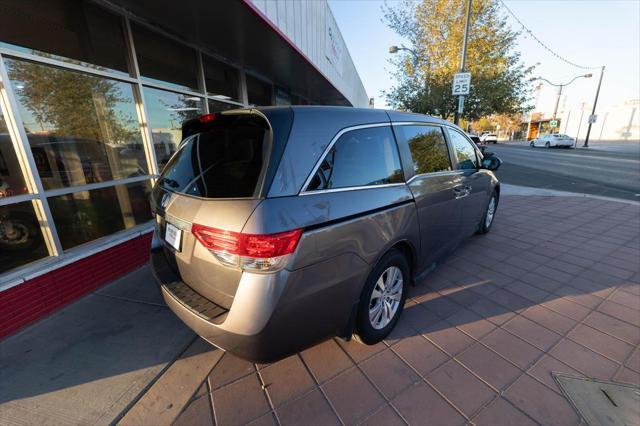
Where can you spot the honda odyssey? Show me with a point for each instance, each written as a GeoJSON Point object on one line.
{"type": "Point", "coordinates": [279, 227]}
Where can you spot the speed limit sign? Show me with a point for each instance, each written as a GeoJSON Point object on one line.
{"type": "Point", "coordinates": [461, 83]}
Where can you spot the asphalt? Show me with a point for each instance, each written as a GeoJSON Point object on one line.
{"type": "Point", "coordinates": [603, 173]}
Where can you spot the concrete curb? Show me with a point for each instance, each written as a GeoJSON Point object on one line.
{"type": "Point", "coordinates": [506, 189]}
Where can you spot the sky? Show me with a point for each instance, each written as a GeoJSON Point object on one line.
{"type": "Point", "coordinates": [587, 32]}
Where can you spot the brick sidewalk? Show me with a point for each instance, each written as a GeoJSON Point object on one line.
{"type": "Point", "coordinates": [554, 287]}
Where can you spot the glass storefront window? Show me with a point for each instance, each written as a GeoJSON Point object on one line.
{"type": "Point", "coordinates": [258, 91]}
{"type": "Point", "coordinates": [222, 80]}
{"type": "Point", "coordinates": [82, 129]}
{"type": "Point", "coordinates": [85, 216]}
{"type": "Point", "coordinates": [21, 240]}
{"type": "Point", "coordinates": [215, 106]}
{"type": "Point", "coordinates": [11, 179]}
{"type": "Point", "coordinates": [70, 31]}
{"type": "Point", "coordinates": [167, 111]}
{"type": "Point", "coordinates": [162, 60]}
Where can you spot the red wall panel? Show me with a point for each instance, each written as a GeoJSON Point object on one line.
{"type": "Point", "coordinates": [34, 299]}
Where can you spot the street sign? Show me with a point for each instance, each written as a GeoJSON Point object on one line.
{"type": "Point", "coordinates": [592, 118]}
{"type": "Point", "coordinates": [553, 123]}
{"type": "Point", "coordinates": [460, 104]}
{"type": "Point", "coordinates": [461, 83]}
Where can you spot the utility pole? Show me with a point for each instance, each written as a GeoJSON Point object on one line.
{"type": "Point", "coordinates": [463, 61]}
{"type": "Point", "coordinates": [593, 112]}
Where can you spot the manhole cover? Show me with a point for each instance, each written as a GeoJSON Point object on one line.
{"type": "Point", "coordinates": [600, 402]}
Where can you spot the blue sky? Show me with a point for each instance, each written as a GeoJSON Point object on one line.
{"type": "Point", "coordinates": [592, 33]}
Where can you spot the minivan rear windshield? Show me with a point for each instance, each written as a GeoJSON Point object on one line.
{"type": "Point", "coordinates": [225, 161]}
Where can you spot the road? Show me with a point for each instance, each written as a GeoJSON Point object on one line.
{"type": "Point", "coordinates": [604, 173]}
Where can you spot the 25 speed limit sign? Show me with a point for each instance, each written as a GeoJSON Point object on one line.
{"type": "Point", "coordinates": [461, 83]}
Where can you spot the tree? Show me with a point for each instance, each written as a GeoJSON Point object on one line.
{"type": "Point", "coordinates": [73, 103]}
{"type": "Point", "coordinates": [434, 30]}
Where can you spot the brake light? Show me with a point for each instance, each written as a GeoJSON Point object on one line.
{"type": "Point", "coordinates": [257, 252]}
{"type": "Point", "coordinates": [206, 118]}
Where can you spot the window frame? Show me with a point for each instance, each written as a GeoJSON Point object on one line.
{"type": "Point", "coordinates": [334, 140]}
{"type": "Point", "coordinates": [454, 158]}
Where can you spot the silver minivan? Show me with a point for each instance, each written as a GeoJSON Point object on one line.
{"type": "Point", "coordinates": [280, 227]}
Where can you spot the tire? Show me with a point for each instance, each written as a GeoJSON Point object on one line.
{"type": "Point", "coordinates": [531, 144]}
{"type": "Point", "coordinates": [370, 330]}
{"type": "Point", "coordinates": [487, 221]}
{"type": "Point", "coordinates": [547, 145]}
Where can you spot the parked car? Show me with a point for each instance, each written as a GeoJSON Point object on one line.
{"type": "Point", "coordinates": [489, 138]}
{"type": "Point", "coordinates": [553, 140]}
{"type": "Point", "coordinates": [476, 140]}
{"type": "Point", "coordinates": [279, 227]}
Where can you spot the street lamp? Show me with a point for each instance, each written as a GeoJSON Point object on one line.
{"type": "Point", "coordinates": [396, 49]}
{"type": "Point", "coordinates": [560, 87]}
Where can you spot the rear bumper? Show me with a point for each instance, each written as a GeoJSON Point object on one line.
{"type": "Point", "coordinates": [272, 315]}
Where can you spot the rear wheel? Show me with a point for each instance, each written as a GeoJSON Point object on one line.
{"type": "Point", "coordinates": [382, 298]}
{"type": "Point", "coordinates": [532, 145]}
{"type": "Point", "coordinates": [547, 145]}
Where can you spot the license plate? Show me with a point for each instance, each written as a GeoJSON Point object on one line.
{"type": "Point", "coordinates": [173, 236]}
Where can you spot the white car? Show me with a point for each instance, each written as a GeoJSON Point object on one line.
{"type": "Point", "coordinates": [489, 138]}
{"type": "Point", "coordinates": [556, 139]}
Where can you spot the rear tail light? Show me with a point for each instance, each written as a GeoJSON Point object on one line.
{"type": "Point", "coordinates": [254, 252]}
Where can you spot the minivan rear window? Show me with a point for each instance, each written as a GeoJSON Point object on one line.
{"type": "Point", "coordinates": [225, 161]}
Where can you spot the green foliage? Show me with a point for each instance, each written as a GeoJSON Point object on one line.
{"type": "Point", "coordinates": [72, 103]}
{"type": "Point", "coordinates": [434, 30]}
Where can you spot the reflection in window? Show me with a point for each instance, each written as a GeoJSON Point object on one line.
{"type": "Point", "coordinates": [167, 111]}
{"type": "Point", "coordinates": [465, 153]}
{"type": "Point", "coordinates": [221, 80]}
{"type": "Point", "coordinates": [428, 148]}
{"type": "Point", "coordinates": [11, 179]}
{"type": "Point", "coordinates": [258, 91]}
{"type": "Point", "coordinates": [360, 158]}
{"type": "Point", "coordinates": [88, 215]}
{"type": "Point", "coordinates": [215, 106]}
{"type": "Point", "coordinates": [21, 239]}
{"type": "Point", "coordinates": [70, 31]}
{"type": "Point", "coordinates": [82, 129]}
{"type": "Point", "coordinates": [165, 61]}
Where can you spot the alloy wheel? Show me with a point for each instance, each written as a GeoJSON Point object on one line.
{"type": "Point", "coordinates": [491, 210]}
{"type": "Point", "coordinates": [386, 297]}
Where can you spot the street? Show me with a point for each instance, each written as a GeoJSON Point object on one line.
{"type": "Point", "coordinates": [595, 172]}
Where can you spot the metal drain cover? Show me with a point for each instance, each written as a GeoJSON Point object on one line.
{"type": "Point", "coordinates": [600, 402]}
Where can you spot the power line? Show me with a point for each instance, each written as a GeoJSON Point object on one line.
{"type": "Point", "coordinates": [541, 43]}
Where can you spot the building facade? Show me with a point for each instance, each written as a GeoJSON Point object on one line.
{"type": "Point", "coordinates": [92, 97]}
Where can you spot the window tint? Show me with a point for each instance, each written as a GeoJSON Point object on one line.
{"type": "Point", "coordinates": [11, 180]}
{"type": "Point", "coordinates": [428, 148]}
{"type": "Point", "coordinates": [84, 216]}
{"type": "Point", "coordinates": [223, 162]}
{"type": "Point", "coordinates": [21, 240]}
{"type": "Point", "coordinates": [360, 158]}
{"type": "Point", "coordinates": [82, 129]}
{"type": "Point", "coordinates": [167, 110]}
{"type": "Point", "coordinates": [258, 91]}
{"type": "Point", "coordinates": [222, 80]}
{"type": "Point", "coordinates": [70, 31]}
{"type": "Point", "coordinates": [464, 151]}
{"type": "Point", "coordinates": [162, 60]}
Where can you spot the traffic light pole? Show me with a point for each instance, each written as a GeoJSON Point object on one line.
{"type": "Point", "coordinates": [593, 112]}
{"type": "Point", "coordinates": [465, 39]}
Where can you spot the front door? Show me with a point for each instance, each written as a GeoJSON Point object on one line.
{"type": "Point", "coordinates": [472, 187]}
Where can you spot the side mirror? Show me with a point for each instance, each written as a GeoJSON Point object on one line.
{"type": "Point", "coordinates": [491, 163]}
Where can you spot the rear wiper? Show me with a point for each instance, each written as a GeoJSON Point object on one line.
{"type": "Point", "coordinates": [172, 183]}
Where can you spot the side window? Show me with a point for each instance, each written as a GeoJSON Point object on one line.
{"type": "Point", "coordinates": [360, 158]}
{"type": "Point", "coordinates": [464, 151]}
{"type": "Point", "coordinates": [428, 148]}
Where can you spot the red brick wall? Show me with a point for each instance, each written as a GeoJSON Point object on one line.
{"type": "Point", "coordinates": [27, 302]}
